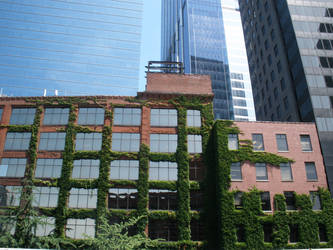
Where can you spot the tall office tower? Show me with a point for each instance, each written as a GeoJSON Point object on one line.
{"type": "Point", "coordinates": [72, 47]}
{"type": "Point", "coordinates": [193, 33]}
{"type": "Point", "coordinates": [290, 51]}
{"type": "Point", "coordinates": [239, 69]}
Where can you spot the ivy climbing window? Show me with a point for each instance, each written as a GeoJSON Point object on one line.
{"type": "Point", "coordinates": [163, 170]}
{"type": "Point", "coordinates": [306, 143]}
{"type": "Point", "coordinates": [240, 233]}
{"type": "Point", "coordinates": [88, 141]}
{"type": "Point", "coordinates": [261, 172]}
{"type": "Point", "coordinates": [194, 144]}
{"type": "Point", "coordinates": [196, 200]}
{"type": "Point", "coordinates": [125, 142]}
{"type": "Point", "coordinates": [315, 199]}
{"type": "Point", "coordinates": [45, 227]}
{"type": "Point", "coordinates": [165, 143]}
{"type": "Point", "coordinates": [10, 196]}
{"type": "Point", "coordinates": [85, 169]}
{"type": "Point", "coordinates": [22, 116]}
{"type": "Point", "coordinates": [232, 141]}
{"type": "Point", "coordinates": [52, 141]}
{"type": "Point", "coordinates": [127, 116]}
{"type": "Point", "coordinates": [286, 173]}
{"type": "Point", "coordinates": [311, 172]}
{"type": "Point", "coordinates": [193, 118]}
{"type": "Point", "coordinates": [265, 201]}
{"type": "Point", "coordinates": [17, 141]}
{"type": "Point", "coordinates": [124, 170]}
{"type": "Point", "coordinates": [281, 141]}
{"type": "Point", "coordinates": [236, 171]}
{"type": "Point", "coordinates": [290, 200]}
{"type": "Point", "coordinates": [197, 230]}
{"type": "Point", "coordinates": [322, 233]}
{"type": "Point", "coordinates": [163, 117]}
{"type": "Point", "coordinates": [82, 198]}
{"type": "Point", "coordinates": [91, 116]}
{"type": "Point", "coordinates": [238, 199]}
{"type": "Point", "coordinates": [163, 229]}
{"type": "Point", "coordinates": [293, 235]}
{"type": "Point", "coordinates": [161, 199]}
{"type": "Point", "coordinates": [123, 198]}
{"type": "Point", "coordinates": [268, 232]}
{"type": "Point", "coordinates": [258, 142]}
{"type": "Point", "coordinates": [45, 196]}
{"type": "Point", "coordinates": [56, 116]}
{"type": "Point", "coordinates": [80, 228]}
{"type": "Point", "coordinates": [196, 170]}
{"type": "Point", "coordinates": [12, 167]}
{"type": "Point", "coordinates": [48, 168]}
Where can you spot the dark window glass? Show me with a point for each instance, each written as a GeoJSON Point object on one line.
{"type": "Point", "coordinates": [48, 168]}
{"type": "Point", "coordinates": [306, 143]}
{"type": "Point", "coordinates": [124, 170]}
{"type": "Point", "coordinates": [17, 141]}
{"type": "Point", "coordinates": [315, 199]}
{"type": "Point", "coordinates": [269, 60]}
{"type": "Point", "coordinates": [85, 169]}
{"type": "Point", "coordinates": [240, 233]}
{"type": "Point", "coordinates": [125, 142]}
{"type": "Point", "coordinates": [127, 116]}
{"type": "Point", "coordinates": [281, 141]}
{"type": "Point", "coordinates": [162, 199]}
{"type": "Point", "coordinates": [56, 116]}
{"type": "Point", "coordinates": [290, 200]}
{"type": "Point", "coordinates": [279, 66]}
{"type": "Point", "coordinates": [276, 94]}
{"type": "Point", "coordinates": [265, 201]}
{"type": "Point", "coordinates": [197, 230]}
{"type": "Point", "coordinates": [196, 200]}
{"type": "Point", "coordinates": [293, 236]}
{"type": "Point", "coordinates": [91, 116]}
{"type": "Point", "coordinates": [329, 81]}
{"type": "Point", "coordinates": [311, 172]}
{"type": "Point", "coordinates": [166, 143]}
{"type": "Point", "coordinates": [196, 170]}
{"type": "Point", "coordinates": [238, 93]}
{"type": "Point", "coordinates": [237, 84]}
{"type": "Point", "coordinates": [240, 102]}
{"type": "Point", "coordinates": [286, 103]}
{"type": "Point", "coordinates": [261, 171]}
{"type": "Point", "coordinates": [242, 112]}
{"type": "Point", "coordinates": [22, 116]}
{"type": "Point", "coordinates": [276, 50]}
{"type": "Point", "coordinates": [286, 173]}
{"type": "Point", "coordinates": [283, 84]}
{"type": "Point", "coordinates": [273, 76]}
{"type": "Point", "coordinates": [258, 142]}
{"type": "Point", "coordinates": [52, 141]}
{"type": "Point", "coordinates": [236, 171]}
{"type": "Point", "coordinates": [163, 229]}
{"type": "Point", "coordinates": [163, 170]}
{"type": "Point", "coordinates": [12, 167]}
{"type": "Point", "coordinates": [88, 141]}
{"type": "Point", "coordinates": [122, 198]}
{"type": "Point", "coordinates": [163, 117]}
{"type": "Point", "coordinates": [268, 232]}
{"type": "Point", "coordinates": [322, 233]}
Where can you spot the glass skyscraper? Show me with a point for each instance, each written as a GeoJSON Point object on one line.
{"type": "Point", "coordinates": [72, 47]}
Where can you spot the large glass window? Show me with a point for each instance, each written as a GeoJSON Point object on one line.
{"type": "Point", "coordinates": [126, 142]}
{"type": "Point", "coordinates": [194, 144]}
{"type": "Point", "coordinates": [236, 171]}
{"type": "Point", "coordinates": [10, 196]}
{"type": "Point", "coordinates": [45, 196]}
{"type": "Point", "coordinates": [232, 141]}
{"type": "Point", "coordinates": [163, 170]}
{"type": "Point", "coordinates": [91, 116]}
{"type": "Point", "coordinates": [163, 117]}
{"type": "Point", "coordinates": [52, 141]}
{"type": "Point", "coordinates": [12, 167]}
{"type": "Point", "coordinates": [306, 143]}
{"type": "Point", "coordinates": [22, 116]}
{"type": "Point", "coordinates": [193, 118]}
{"type": "Point", "coordinates": [56, 116]}
{"type": "Point", "coordinates": [261, 172]}
{"type": "Point", "coordinates": [123, 198]}
{"type": "Point", "coordinates": [80, 228]}
{"type": "Point", "coordinates": [127, 116]}
{"type": "Point", "coordinates": [311, 172]}
{"type": "Point", "coordinates": [88, 141]}
{"type": "Point", "coordinates": [82, 198]}
{"type": "Point", "coordinates": [124, 170]}
{"type": "Point", "coordinates": [48, 168]}
{"type": "Point", "coordinates": [281, 141]}
{"type": "Point", "coordinates": [162, 199]}
{"type": "Point", "coordinates": [17, 141]}
{"type": "Point", "coordinates": [286, 173]}
{"type": "Point", "coordinates": [258, 142]}
{"type": "Point", "coordinates": [85, 169]}
{"type": "Point", "coordinates": [45, 227]}
{"type": "Point", "coordinates": [166, 143]}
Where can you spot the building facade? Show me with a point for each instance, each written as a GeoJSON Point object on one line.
{"type": "Point", "coordinates": [70, 47]}
{"type": "Point", "coordinates": [289, 46]}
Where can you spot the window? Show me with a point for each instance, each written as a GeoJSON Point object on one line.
{"type": "Point", "coordinates": [45, 227]}
{"type": "Point", "coordinates": [163, 170]}
{"type": "Point", "coordinates": [48, 168]}
{"type": "Point", "coordinates": [272, 75]}
{"type": "Point", "coordinates": [162, 229]}
{"type": "Point", "coordinates": [286, 103]}
{"type": "Point", "coordinates": [306, 143]}
{"type": "Point", "coordinates": [268, 232]}
{"type": "Point", "coordinates": [290, 200]}
{"type": "Point", "coordinates": [322, 233]}
{"type": "Point", "coordinates": [240, 233]}
{"type": "Point", "coordinates": [258, 142]}
{"type": "Point", "coordinates": [85, 169]}
{"type": "Point", "coordinates": [45, 196]}
{"type": "Point", "coordinates": [1, 110]}
{"type": "Point", "coordinates": [238, 200]}
{"type": "Point", "coordinates": [82, 198]}
{"type": "Point", "coordinates": [22, 116]}
{"type": "Point", "coordinates": [293, 236]}
{"type": "Point", "coordinates": [279, 66]}
{"type": "Point", "coordinates": [12, 167]}
{"type": "Point", "coordinates": [196, 200]}
{"type": "Point", "coordinates": [80, 228]}
{"type": "Point", "coordinates": [196, 170]}
{"type": "Point", "coordinates": [276, 50]}
{"type": "Point", "coordinates": [56, 116]}
{"type": "Point", "coordinates": [233, 141]}
{"type": "Point", "coordinates": [162, 199]}
{"type": "Point", "coordinates": [194, 144]}
{"type": "Point", "coordinates": [17, 141]}
{"type": "Point", "coordinates": [88, 141]}
{"type": "Point", "coordinates": [52, 141]}
{"type": "Point", "coordinates": [329, 81]}
{"type": "Point", "coordinates": [315, 199]}
{"type": "Point", "coordinates": [91, 116]}
{"type": "Point", "coordinates": [197, 230]}
{"type": "Point", "coordinates": [163, 117]}
{"type": "Point", "coordinates": [127, 116]}
{"type": "Point", "coordinates": [282, 84]}
{"type": "Point", "coordinates": [286, 173]}
{"type": "Point", "coordinates": [281, 141]}
{"type": "Point", "coordinates": [236, 171]}
{"type": "Point", "coordinates": [166, 143]}
{"type": "Point", "coordinates": [124, 170]}
{"type": "Point", "coordinates": [261, 172]}
{"type": "Point", "coordinates": [193, 118]}
{"type": "Point", "coordinates": [276, 93]}
{"type": "Point", "coordinates": [123, 198]}
{"type": "Point", "coordinates": [125, 142]}
{"type": "Point", "coordinates": [311, 172]}
{"type": "Point", "coordinates": [265, 201]}
{"type": "Point", "coordinates": [10, 195]}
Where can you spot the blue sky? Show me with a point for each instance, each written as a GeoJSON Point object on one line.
{"type": "Point", "coordinates": [151, 37]}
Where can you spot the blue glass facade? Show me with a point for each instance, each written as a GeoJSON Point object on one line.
{"type": "Point", "coordinates": [193, 33]}
{"type": "Point", "coordinates": [77, 47]}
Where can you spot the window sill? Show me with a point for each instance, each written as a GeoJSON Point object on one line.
{"type": "Point", "coordinates": [236, 180]}
{"type": "Point", "coordinates": [307, 151]}
{"type": "Point", "coordinates": [263, 180]}
{"type": "Point", "coordinates": [311, 180]}
{"type": "Point", "coordinates": [287, 181]}
{"type": "Point", "coordinates": [283, 151]}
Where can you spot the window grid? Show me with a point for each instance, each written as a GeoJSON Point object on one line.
{"type": "Point", "coordinates": [232, 141]}
{"type": "Point", "coordinates": [126, 142]}
{"type": "Point", "coordinates": [48, 168]}
{"type": "Point", "coordinates": [127, 116]}
{"type": "Point", "coordinates": [45, 227]}
{"type": "Point", "coordinates": [261, 172]}
{"type": "Point", "coordinates": [286, 173]}
{"type": "Point", "coordinates": [45, 196]}
{"type": "Point", "coordinates": [56, 116]}
{"type": "Point", "coordinates": [91, 116]}
{"type": "Point", "coordinates": [13, 195]}
{"type": "Point", "coordinates": [163, 117]}
{"type": "Point", "coordinates": [236, 171]}
{"type": "Point", "coordinates": [193, 118]}
{"type": "Point", "coordinates": [12, 167]}
{"type": "Point", "coordinates": [85, 169]}
{"type": "Point", "coordinates": [311, 172]}
{"type": "Point", "coordinates": [17, 141]}
{"type": "Point", "coordinates": [281, 141]}
{"type": "Point", "coordinates": [306, 143]}
{"type": "Point", "coordinates": [258, 142]}
{"type": "Point", "coordinates": [194, 144]}
{"type": "Point", "coordinates": [123, 198]}
{"type": "Point", "coordinates": [124, 170]}
{"type": "Point", "coordinates": [163, 170]}
{"type": "Point", "coordinates": [52, 141]}
{"type": "Point", "coordinates": [22, 116]}
{"type": "Point", "coordinates": [80, 228]}
{"type": "Point", "coordinates": [88, 141]}
{"type": "Point", "coordinates": [82, 198]}
{"type": "Point", "coordinates": [166, 143]}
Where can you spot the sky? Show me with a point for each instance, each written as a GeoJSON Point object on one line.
{"type": "Point", "coordinates": [151, 37]}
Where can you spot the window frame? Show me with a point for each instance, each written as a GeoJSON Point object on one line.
{"type": "Point", "coordinates": [19, 167]}
{"type": "Point", "coordinates": [255, 147]}
{"type": "Point", "coordinates": [238, 165]}
{"type": "Point", "coordinates": [233, 142]}
{"type": "Point", "coordinates": [311, 164]}
{"type": "Point", "coordinates": [157, 148]}
{"type": "Point", "coordinates": [88, 141]}
{"type": "Point", "coordinates": [171, 119]}
{"type": "Point", "coordinates": [284, 165]}
{"type": "Point", "coordinates": [170, 170]}
{"type": "Point", "coordinates": [194, 116]}
{"type": "Point", "coordinates": [83, 117]}
{"type": "Point", "coordinates": [132, 167]}
{"type": "Point", "coordinates": [132, 147]}
{"type": "Point", "coordinates": [22, 145]}
{"type": "Point", "coordinates": [261, 165]}
{"type": "Point", "coordinates": [52, 119]}
{"type": "Point", "coordinates": [91, 166]}
{"type": "Point", "coordinates": [307, 143]}
{"type": "Point", "coordinates": [135, 118]}
{"type": "Point", "coordinates": [279, 138]}
{"type": "Point", "coordinates": [194, 144]}
{"type": "Point", "coordinates": [26, 117]}
{"type": "Point", "coordinates": [49, 141]}
{"type": "Point", "coordinates": [45, 165]}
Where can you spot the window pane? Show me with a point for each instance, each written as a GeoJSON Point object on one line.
{"type": "Point", "coordinates": [314, 196]}
{"type": "Point", "coordinates": [22, 116]}
{"type": "Point", "coordinates": [281, 141]}
{"type": "Point", "coordinates": [163, 170]}
{"type": "Point", "coordinates": [258, 142]}
{"type": "Point", "coordinates": [166, 143]}
{"type": "Point", "coordinates": [85, 169]}
{"type": "Point", "coordinates": [91, 116]}
{"type": "Point", "coordinates": [306, 143]}
{"type": "Point", "coordinates": [286, 174]}
{"type": "Point", "coordinates": [52, 141]}
{"type": "Point", "coordinates": [194, 144]}
{"type": "Point", "coordinates": [193, 118]}
{"type": "Point", "coordinates": [261, 171]}
{"type": "Point", "coordinates": [163, 117]}
{"type": "Point", "coordinates": [56, 116]}
{"type": "Point", "coordinates": [233, 141]}
{"type": "Point", "coordinates": [17, 141]}
{"type": "Point", "coordinates": [311, 172]}
{"type": "Point", "coordinates": [88, 141]}
{"type": "Point", "coordinates": [12, 167]}
{"type": "Point", "coordinates": [125, 142]}
{"type": "Point", "coordinates": [127, 116]}
{"type": "Point", "coordinates": [236, 171]}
